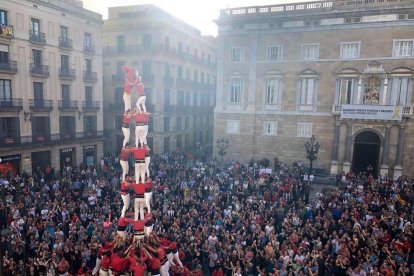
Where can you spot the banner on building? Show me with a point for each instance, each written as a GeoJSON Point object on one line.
{"type": "Point", "coordinates": [372, 112]}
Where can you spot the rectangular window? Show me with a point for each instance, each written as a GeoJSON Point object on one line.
{"type": "Point", "coordinates": [88, 94]}
{"type": "Point", "coordinates": [146, 41]}
{"type": "Point", "coordinates": [89, 125]}
{"type": "Point", "coordinates": [67, 126]}
{"type": "Point", "coordinates": [35, 26]}
{"type": "Point", "coordinates": [399, 91]}
{"type": "Point", "coordinates": [38, 93]}
{"type": "Point", "coordinates": [5, 92]}
{"type": "Point", "coordinates": [179, 72]}
{"type": "Point", "coordinates": [65, 93]}
{"type": "Point", "coordinates": [166, 124]}
{"type": "Point", "coordinates": [4, 54]}
{"type": "Point", "coordinates": [350, 50]}
{"type": "Point", "coordinates": [37, 57]}
{"type": "Point", "coordinates": [305, 130]}
{"type": "Point", "coordinates": [187, 122]}
{"type": "Point", "coordinates": [9, 128]}
{"type": "Point", "coordinates": [179, 123]}
{"type": "Point", "coordinates": [187, 99]}
{"type": "Point", "coordinates": [235, 91]}
{"type": "Point", "coordinates": [233, 126]}
{"type": "Point", "coordinates": [273, 91]}
{"type": "Point", "coordinates": [269, 128]}
{"type": "Point", "coordinates": [166, 144]}
{"type": "Point", "coordinates": [180, 98]}
{"type": "Point", "coordinates": [274, 53]}
{"type": "Point", "coordinates": [167, 97]}
{"type": "Point", "coordinates": [236, 54]}
{"type": "Point", "coordinates": [3, 17]}
{"type": "Point", "coordinates": [167, 69]}
{"type": "Point", "coordinates": [346, 91]}
{"type": "Point", "coordinates": [403, 48]}
{"type": "Point", "coordinates": [64, 32]}
{"type": "Point", "coordinates": [64, 62]}
{"type": "Point", "coordinates": [88, 40]}
{"type": "Point", "coordinates": [120, 43]}
{"type": "Point", "coordinates": [88, 65]}
{"type": "Point", "coordinates": [307, 91]}
{"type": "Point", "coordinates": [310, 51]}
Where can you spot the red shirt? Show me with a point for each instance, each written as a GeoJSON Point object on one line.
{"type": "Point", "coordinates": [148, 186]}
{"type": "Point", "coordinates": [127, 119]}
{"type": "Point", "coordinates": [124, 187]}
{"type": "Point", "coordinates": [154, 263]}
{"type": "Point", "coordinates": [161, 253]}
{"type": "Point", "coordinates": [106, 261]}
{"type": "Point", "coordinates": [123, 222]}
{"type": "Point", "coordinates": [138, 225]}
{"type": "Point", "coordinates": [147, 151]}
{"type": "Point", "coordinates": [118, 263]}
{"type": "Point", "coordinates": [141, 118]}
{"type": "Point", "coordinates": [137, 268]}
{"type": "Point", "coordinates": [139, 189]}
{"type": "Point", "coordinates": [124, 154]}
{"type": "Point", "coordinates": [139, 153]}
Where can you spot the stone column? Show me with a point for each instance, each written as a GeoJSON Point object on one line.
{"type": "Point", "coordinates": [334, 162]}
{"type": "Point", "coordinates": [384, 161]}
{"type": "Point", "coordinates": [348, 144]}
{"type": "Point", "coordinates": [400, 148]}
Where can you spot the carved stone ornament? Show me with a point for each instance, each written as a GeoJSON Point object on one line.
{"type": "Point", "coordinates": [358, 127]}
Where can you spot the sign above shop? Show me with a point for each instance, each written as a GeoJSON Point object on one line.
{"type": "Point", "coordinates": [372, 112]}
{"type": "Point", "coordinates": [90, 147]}
{"type": "Point", "coordinates": [10, 158]}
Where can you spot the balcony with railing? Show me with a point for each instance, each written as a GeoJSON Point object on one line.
{"type": "Point", "coordinates": [91, 105]}
{"type": "Point", "coordinates": [9, 67]}
{"type": "Point", "coordinates": [38, 70]}
{"type": "Point", "coordinates": [41, 105]}
{"type": "Point", "coordinates": [65, 43]}
{"type": "Point", "coordinates": [89, 48]}
{"type": "Point", "coordinates": [89, 76]}
{"type": "Point", "coordinates": [9, 140]}
{"type": "Point", "coordinates": [132, 49]}
{"type": "Point", "coordinates": [11, 104]}
{"type": "Point", "coordinates": [37, 37]}
{"type": "Point", "coordinates": [50, 139]}
{"type": "Point", "coordinates": [67, 74]}
{"type": "Point", "coordinates": [67, 105]}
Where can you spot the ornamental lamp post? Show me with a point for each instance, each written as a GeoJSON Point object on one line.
{"type": "Point", "coordinates": [222, 145]}
{"type": "Point", "coordinates": [312, 148]}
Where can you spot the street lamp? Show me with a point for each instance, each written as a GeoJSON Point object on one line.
{"type": "Point", "coordinates": [312, 149]}
{"type": "Point", "coordinates": [222, 145]}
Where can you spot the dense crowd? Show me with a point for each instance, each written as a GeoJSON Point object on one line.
{"type": "Point", "coordinates": [227, 220]}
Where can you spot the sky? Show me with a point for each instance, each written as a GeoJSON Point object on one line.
{"type": "Point", "coordinates": [198, 13]}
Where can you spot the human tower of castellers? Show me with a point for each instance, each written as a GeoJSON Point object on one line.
{"type": "Point", "coordinates": [145, 251]}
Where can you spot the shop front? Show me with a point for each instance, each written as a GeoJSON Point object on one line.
{"type": "Point", "coordinates": [40, 160]}
{"type": "Point", "coordinates": [10, 164]}
{"type": "Point", "coordinates": [67, 157]}
{"type": "Point", "coordinates": [89, 155]}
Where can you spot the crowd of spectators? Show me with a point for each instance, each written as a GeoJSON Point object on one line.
{"type": "Point", "coordinates": [231, 219]}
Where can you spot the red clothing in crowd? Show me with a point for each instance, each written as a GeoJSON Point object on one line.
{"type": "Point", "coordinates": [106, 261]}
{"type": "Point", "coordinates": [124, 187]}
{"type": "Point", "coordinates": [137, 268]}
{"type": "Point", "coordinates": [139, 153]}
{"type": "Point", "coordinates": [127, 119]}
{"type": "Point", "coordinates": [154, 264]}
{"type": "Point", "coordinates": [118, 265]}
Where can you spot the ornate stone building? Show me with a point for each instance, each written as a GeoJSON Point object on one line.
{"type": "Point", "coordinates": [339, 70]}
{"type": "Point", "coordinates": [178, 69]}
{"type": "Point", "coordinates": [50, 85]}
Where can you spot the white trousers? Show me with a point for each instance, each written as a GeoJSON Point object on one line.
{"type": "Point", "coordinates": [125, 168]}
{"type": "Point", "coordinates": [164, 270]}
{"type": "Point", "coordinates": [140, 136]}
{"type": "Point", "coordinates": [148, 230]}
{"type": "Point", "coordinates": [141, 102]}
{"type": "Point", "coordinates": [139, 204]}
{"type": "Point", "coordinates": [97, 266]}
{"type": "Point", "coordinates": [147, 164]}
{"type": "Point", "coordinates": [148, 197]}
{"type": "Point", "coordinates": [177, 259]}
{"type": "Point", "coordinates": [127, 135]}
{"type": "Point", "coordinates": [139, 172]}
{"type": "Point", "coordinates": [104, 273]}
{"type": "Point", "coordinates": [127, 101]}
{"type": "Point", "coordinates": [126, 200]}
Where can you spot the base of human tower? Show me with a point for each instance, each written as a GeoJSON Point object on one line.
{"type": "Point", "coordinates": [139, 251]}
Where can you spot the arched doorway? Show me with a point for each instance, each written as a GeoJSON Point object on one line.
{"type": "Point", "coordinates": [366, 152]}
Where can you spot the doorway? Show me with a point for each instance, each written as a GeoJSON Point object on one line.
{"type": "Point", "coordinates": [366, 153]}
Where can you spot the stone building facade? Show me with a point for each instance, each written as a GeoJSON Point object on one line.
{"type": "Point", "coordinates": [50, 85]}
{"type": "Point", "coordinates": [178, 69]}
{"type": "Point", "coordinates": [339, 70]}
